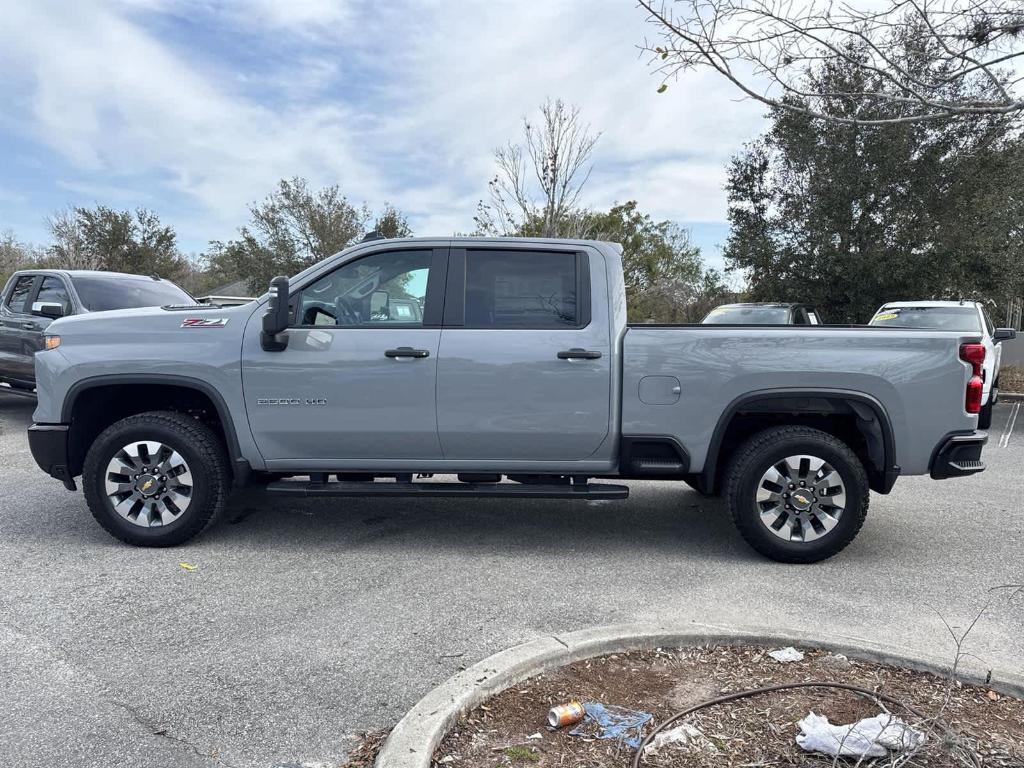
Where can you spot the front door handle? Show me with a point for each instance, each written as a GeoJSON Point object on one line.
{"type": "Point", "coordinates": [579, 354]}
{"type": "Point", "coordinates": [407, 352]}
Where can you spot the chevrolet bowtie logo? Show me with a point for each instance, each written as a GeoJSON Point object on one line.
{"type": "Point", "coordinates": [146, 486]}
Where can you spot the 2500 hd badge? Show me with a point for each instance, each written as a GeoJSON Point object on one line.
{"type": "Point", "coordinates": [291, 401]}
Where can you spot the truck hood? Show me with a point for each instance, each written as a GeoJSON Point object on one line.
{"type": "Point", "coordinates": [122, 324]}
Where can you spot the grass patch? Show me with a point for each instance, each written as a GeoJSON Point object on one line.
{"type": "Point", "coordinates": [1011, 378]}
{"type": "Point", "coordinates": [521, 753]}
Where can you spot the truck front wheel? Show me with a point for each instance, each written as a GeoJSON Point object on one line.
{"type": "Point", "coordinates": [156, 479]}
{"type": "Point", "coordinates": [797, 494]}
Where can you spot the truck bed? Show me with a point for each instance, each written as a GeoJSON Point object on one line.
{"type": "Point", "coordinates": [915, 378]}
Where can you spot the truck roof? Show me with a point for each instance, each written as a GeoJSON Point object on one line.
{"type": "Point", "coordinates": [942, 303]}
{"type": "Point", "coordinates": [764, 304]}
{"type": "Point", "coordinates": [478, 239]}
{"type": "Point", "coordinates": [88, 273]}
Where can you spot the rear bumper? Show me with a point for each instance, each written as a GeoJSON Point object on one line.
{"type": "Point", "coordinates": [959, 455]}
{"type": "Point", "coordinates": [49, 446]}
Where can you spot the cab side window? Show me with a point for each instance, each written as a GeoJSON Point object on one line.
{"type": "Point", "coordinates": [377, 291]}
{"type": "Point", "coordinates": [53, 291]}
{"type": "Point", "coordinates": [525, 289]}
{"type": "Point", "coordinates": [18, 300]}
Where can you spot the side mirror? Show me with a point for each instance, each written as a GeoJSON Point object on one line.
{"type": "Point", "coordinates": [1004, 334]}
{"type": "Point", "coordinates": [275, 320]}
{"type": "Point", "coordinates": [50, 309]}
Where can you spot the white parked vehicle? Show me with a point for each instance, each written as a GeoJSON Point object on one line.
{"type": "Point", "coordinates": [955, 316]}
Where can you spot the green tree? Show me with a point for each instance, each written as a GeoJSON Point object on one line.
{"type": "Point", "coordinates": [118, 241]}
{"type": "Point", "coordinates": [392, 223]}
{"type": "Point", "coordinates": [14, 255]}
{"type": "Point", "coordinates": [666, 279]}
{"type": "Point", "coordinates": [848, 215]}
{"type": "Point", "coordinates": [294, 228]}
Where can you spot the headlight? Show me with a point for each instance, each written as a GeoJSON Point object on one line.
{"type": "Point", "coordinates": [51, 342]}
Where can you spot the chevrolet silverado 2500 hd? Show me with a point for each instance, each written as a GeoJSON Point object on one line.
{"type": "Point", "coordinates": [492, 360]}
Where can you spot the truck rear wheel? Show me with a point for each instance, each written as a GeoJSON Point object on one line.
{"type": "Point", "coordinates": [985, 415]}
{"type": "Point", "coordinates": [156, 479]}
{"type": "Point", "coordinates": [797, 494]}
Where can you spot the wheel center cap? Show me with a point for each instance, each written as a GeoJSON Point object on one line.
{"type": "Point", "coordinates": [802, 499]}
{"type": "Point", "coordinates": [147, 485]}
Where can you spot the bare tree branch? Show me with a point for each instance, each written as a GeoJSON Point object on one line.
{"type": "Point", "coordinates": [974, 51]}
{"type": "Point", "coordinates": [538, 185]}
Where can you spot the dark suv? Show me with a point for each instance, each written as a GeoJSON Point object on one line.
{"type": "Point", "coordinates": [34, 298]}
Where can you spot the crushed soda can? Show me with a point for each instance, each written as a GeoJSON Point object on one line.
{"type": "Point", "coordinates": [566, 714]}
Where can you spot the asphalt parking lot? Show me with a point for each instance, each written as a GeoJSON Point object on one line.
{"type": "Point", "coordinates": [305, 623]}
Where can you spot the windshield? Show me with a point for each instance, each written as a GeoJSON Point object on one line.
{"type": "Point", "coordinates": [942, 318]}
{"type": "Point", "coordinates": [747, 316]}
{"type": "Point", "coordinates": [100, 293]}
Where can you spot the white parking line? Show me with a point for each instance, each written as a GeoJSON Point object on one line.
{"type": "Point", "coordinates": [1004, 439]}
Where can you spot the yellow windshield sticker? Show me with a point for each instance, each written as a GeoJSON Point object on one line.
{"type": "Point", "coordinates": [887, 316]}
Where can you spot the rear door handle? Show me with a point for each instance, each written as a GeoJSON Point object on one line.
{"type": "Point", "coordinates": [579, 354]}
{"type": "Point", "coordinates": [28, 326]}
{"type": "Point", "coordinates": [407, 352]}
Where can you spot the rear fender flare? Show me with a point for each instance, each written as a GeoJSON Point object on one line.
{"type": "Point", "coordinates": [869, 410]}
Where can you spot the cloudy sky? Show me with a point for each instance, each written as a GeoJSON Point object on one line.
{"type": "Point", "coordinates": [196, 108]}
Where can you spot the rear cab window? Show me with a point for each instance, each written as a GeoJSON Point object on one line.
{"type": "Point", "coordinates": [523, 289]}
{"type": "Point", "coordinates": [739, 315]}
{"type": "Point", "coordinates": [964, 319]}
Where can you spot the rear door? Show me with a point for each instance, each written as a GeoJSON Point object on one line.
{"type": "Point", "coordinates": [524, 370]}
{"type": "Point", "coordinates": [18, 331]}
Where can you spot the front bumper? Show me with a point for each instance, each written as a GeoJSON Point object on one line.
{"type": "Point", "coordinates": [959, 455]}
{"type": "Point", "coordinates": [49, 446]}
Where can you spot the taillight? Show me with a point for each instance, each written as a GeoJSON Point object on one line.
{"type": "Point", "coordinates": [975, 388]}
{"type": "Point", "coordinates": [975, 355]}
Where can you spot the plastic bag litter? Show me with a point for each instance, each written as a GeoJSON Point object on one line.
{"type": "Point", "coordinates": [604, 721]}
{"type": "Point", "coordinates": [685, 737]}
{"type": "Point", "coordinates": [871, 737]}
{"type": "Point", "coordinates": [786, 654]}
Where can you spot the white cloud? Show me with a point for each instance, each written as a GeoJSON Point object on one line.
{"type": "Point", "coordinates": [117, 102]}
{"type": "Point", "coordinates": [394, 102]}
{"type": "Point", "coordinates": [462, 84]}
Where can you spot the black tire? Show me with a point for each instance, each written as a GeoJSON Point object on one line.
{"type": "Point", "coordinates": [767, 449]}
{"type": "Point", "coordinates": [985, 416]}
{"type": "Point", "coordinates": [201, 449]}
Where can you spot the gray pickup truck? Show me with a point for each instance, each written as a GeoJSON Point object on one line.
{"type": "Point", "coordinates": [34, 298]}
{"type": "Point", "coordinates": [508, 366]}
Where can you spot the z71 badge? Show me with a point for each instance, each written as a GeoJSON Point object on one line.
{"type": "Point", "coordinates": [204, 322]}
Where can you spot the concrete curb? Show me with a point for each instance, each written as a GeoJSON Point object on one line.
{"type": "Point", "coordinates": [413, 741]}
{"type": "Point", "coordinates": [1011, 396]}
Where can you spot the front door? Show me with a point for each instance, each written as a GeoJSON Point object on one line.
{"type": "Point", "coordinates": [525, 362]}
{"type": "Point", "coordinates": [358, 378]}
{"type": "Point", "coordinates": [20, 329]}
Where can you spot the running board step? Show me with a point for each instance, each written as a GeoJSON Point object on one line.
{"type": "Point", "coordinates": [589, 491]}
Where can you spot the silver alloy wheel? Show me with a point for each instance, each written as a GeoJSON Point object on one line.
{"type": "Point", "coordinates": [148, 483]}
{"type": "Point", "coordinates": [801, 498]}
